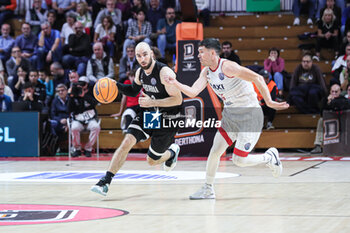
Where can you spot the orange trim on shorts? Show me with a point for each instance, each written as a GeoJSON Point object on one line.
{"type": "Point", "coordinates": [240, 153]}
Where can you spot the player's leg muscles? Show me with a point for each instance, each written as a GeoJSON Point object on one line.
{"type": "Point", "coordinates": [218, 148]}
{"type": "Point", "coordinates": [121, 153]}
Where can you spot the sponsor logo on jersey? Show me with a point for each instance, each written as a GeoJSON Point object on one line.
{"type": "Point", "coordinates": [23, 214]}
{"type": "Point", "coordinates": [153, 81]}
{"type": "Point", "coordinates": [150, 88]}
{"type": "Point", "coordinates": [218, 87]}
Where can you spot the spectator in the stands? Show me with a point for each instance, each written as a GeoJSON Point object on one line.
{"type": "Point", "coordinates": [129, 106]}
{"type": "Point", "coordinates": [228, 53]}
{"type": "Point", "coordinates": [82, 108]}
{"type": "Point", "coordinates": [344, 77]}
{"type": "Point", "coordinates": [269, 113]}
{"type": "Point", "coordinates": [6, 42]}
{"type": "Point", "coordinates": [59, 111]}
{"type": "Point", "coordinates": [125, 7]}
{"type": "Point", "coordinates": [97, 6]}
{"type": "Point", "coordinates": [331, 102]}
{"type": "Point", "coordinates": [67, 28]}
{"type": "Point", "coordinates": [307, 86]}
{"type": "Point", "coordinates": [84, 16]}
{"type": "Point", "coordinates": [5, 100]}
{"type": "Point", "coordinates": [48, 82]}
{"type": "Point", "coordinates": [62, 7]}
{"type": "Point", "coordinates": [29, 98]}
{"type": "Point", "coordinates": [336, 5]}
{"type": "Point", "coordinates": [166, 30]}
{"type": "Point", "coordinates": [105, 33]}
{"type": "Point", "coordinates": [154, 14]}
{"type": "Point", "coordinates": [28, 43]}
{"type": "Point", "coordinates": [203, 11]}
{"type": "Point", "coordinates": [327, 33]}
{"type": "Point", "coordinates": [39, 88]}
{"type": "Point", "coordinates": [127, 63]}
{"type": "Point", "coordinates": [307, 6]}
{"type": "Point", "coordinates": [36, 16]}
{"type": "Point", "coordinates": [78, 50]}
{"type": "Point", "coordinates": [138, 30]}
{"type": "Point", "coordinates": [7, 8]}
{"type": "Point", "coordinates": [60, 75]}
{"type": "Point", "coordinates": [100, 65]}
{"type": "Point", "coordinates": [22, 74]}
{"type": "Point", "coordinates": [13, 63]}
{"type": "Point", "coordinates": [49, 46]}
{"type": "Point", "coordinates": [8, 91]}
{"type": "Point", "coordinates": [158, 56]}
{"type": "Point", "coordinates": [338, 66]}
{"type": "Point", "coordinates": [73, 78]}
{"type": "Point", "coordinates": [274, 64]}
{"type": "Point", "coordinates": [137, 5]}
{"type": "Point", "coordinates": [110, 10]}
{"type": "Point", "coordinates": [52, 19]}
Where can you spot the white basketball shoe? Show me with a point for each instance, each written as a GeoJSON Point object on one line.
{"type": "Point", "coordinates": [275, 163]}
{"type": "Point", "coordinates": [205, 192]}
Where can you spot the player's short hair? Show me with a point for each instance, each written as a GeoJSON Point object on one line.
{"type": "Point", "coordinates": [211, 43]}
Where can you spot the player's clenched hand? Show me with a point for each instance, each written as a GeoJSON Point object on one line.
{"type": "Point", "coordinates": [169, 79]}
{"type": "Point", "coordinates": [145, 101]}
{"type": "Point", "coordinates": [278, 105]}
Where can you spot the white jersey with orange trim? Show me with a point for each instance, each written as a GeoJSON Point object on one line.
{"type": "Point", "coordinates": [234, 92]}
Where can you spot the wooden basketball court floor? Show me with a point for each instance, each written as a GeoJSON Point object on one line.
{"type": "Point", "coordinates": [311, 196]}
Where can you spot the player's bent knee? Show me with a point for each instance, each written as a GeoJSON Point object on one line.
{"type": "Point", "coordinates": [128, 141]}
{"type": "Point", "coordinates": [239, 161]}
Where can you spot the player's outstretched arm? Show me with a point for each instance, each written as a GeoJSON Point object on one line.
{"type": "Point", "coordinates": [197, 87]}
{"type": "Point", "coordinates": [232, 69]}
{"type": "Point", "coordinates": [131, 89]}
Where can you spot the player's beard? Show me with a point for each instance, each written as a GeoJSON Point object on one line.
{"type": "Point", "coordinates": [147, 66]}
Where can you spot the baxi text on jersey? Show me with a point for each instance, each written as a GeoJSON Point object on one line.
{"type": "Point", "coordinates": [191, 123]}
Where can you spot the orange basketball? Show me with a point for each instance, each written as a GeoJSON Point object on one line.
{"type": "Point", "coordinates": [105, 90]}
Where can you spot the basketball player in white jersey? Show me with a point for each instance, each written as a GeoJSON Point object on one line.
{"type": "Point", "coordinates": [242, 117]}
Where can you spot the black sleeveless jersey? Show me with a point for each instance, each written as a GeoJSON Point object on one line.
{"type": "Point", "coordinates": [153, 87]}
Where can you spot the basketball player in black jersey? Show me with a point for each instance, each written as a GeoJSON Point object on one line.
{"type": "Point", "coordinates": [158, 98]}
